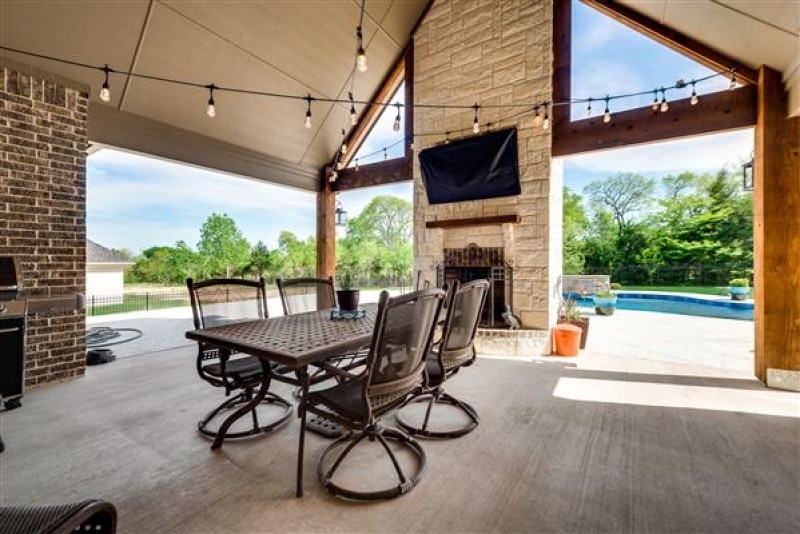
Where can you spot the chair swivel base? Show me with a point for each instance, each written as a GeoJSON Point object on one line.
{"type": "Point", "coordinates": [436, 397]}
{"type": "Point", "coordinates": [373, 433]}
{"type": "Point", "coordinates": [240, 400]}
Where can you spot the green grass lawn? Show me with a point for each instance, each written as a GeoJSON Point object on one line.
{"type": "Point", "coordinates": [703, 290]}
{"type": "Point", "coordinates": [134, 302]}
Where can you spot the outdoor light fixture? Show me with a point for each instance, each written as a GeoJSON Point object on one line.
{"type": "Point", "coordinates": [664, 106]}
{"type": "Point", "coordinates": [333, 176]}
{"type": "Point", "coordinates": [589, 108]}
{"type": "Point", "coordinates": [307, 123]}
{"type": "Point", "coordinates": [695, 99]}
{"type": "Point", "coordinates": [732, 86]}
{"type": "Point", "coordinates": [607, 114]}
{"type": "Point", "coordinates": [356, 166]}
{"type": "Point", "coordinates": [341, 215]}
{"type": "Point", "coordinates": [385, 155]}
{"type": "Point", "coordinates": [476, 127]}
{"type": "Point", "coordinates": [211, 109]}
{"type": "Point", "coordinates": [344, 143]}
{"type": "Point", "coordinates": [105, 92]}
{"type": "Point", "coordinates": [655, 100]}
{"type": "Point", "coordinates": [353, 117]}
{"type": "Point", "coordinates": [747, 176]}
{"type": "Point", "coordinates": [537, 119]}
{"type": "Point", "coordinates": [361, 54]}
{"type": "Point", "coordinates": [546, 122]}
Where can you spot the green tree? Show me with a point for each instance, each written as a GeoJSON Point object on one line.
{"type": "Point", "coordinates": [575, 224]}
{"type": "Point", "coordinates": [264, 262]}
{"type": "Point", "coordinates": [386, 219]}
{"type": "Point", "coordinates": [298, 257]}
{"type": "Point", "coordinates": [624, 194]}
{"type": "Point", "coordinates": [223, 245]}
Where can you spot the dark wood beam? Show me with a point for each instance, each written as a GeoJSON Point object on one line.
{"type": "Point", "coordinates": [475, 221]}
{"type": "Point", "coordinates": [674, 39]}
{"type": "Point", "coordinates": [381, 173]}
{"type": "Point", "coordinates": [776, 235]}
{"type": "Point", "coordinates": [716, 112]}
{"type": "Point", "coordinates": [562, 59]}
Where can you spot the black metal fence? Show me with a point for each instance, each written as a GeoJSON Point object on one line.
{"type": "Point", "coordinates": [162, 299]}
{"type": "Point", "coordinates": [710, 275]}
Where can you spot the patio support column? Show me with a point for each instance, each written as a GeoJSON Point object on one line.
{"type": "Point", "coordinates": [776, 207]}
{"type": "Point", "coordinates": [326, 230]}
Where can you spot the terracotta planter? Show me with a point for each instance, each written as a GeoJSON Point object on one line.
{"type": "Point", "coordinates": [348, 299]}
{"type": "Point", "coordinates": [583, 324]}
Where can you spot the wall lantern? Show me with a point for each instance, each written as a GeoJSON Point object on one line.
{"type": "Point", "coordinates": [341, 215]}
{"type": "Point", "coordinates": [747, 176]}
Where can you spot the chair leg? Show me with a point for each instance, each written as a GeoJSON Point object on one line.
{"type": "Point", "coordinates": [436, 397]}
{"type": "Point", "coordinates": [302, 375]}
{"type": "Point", "coordinates": [383, 436]}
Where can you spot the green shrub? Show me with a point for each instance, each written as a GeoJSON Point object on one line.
{"type": "Point", "coordinates": [739, 282]}
{"type": "Point", "coordinates": [616, 285]}
{"type": "Point", "coordinates": [604, 295]}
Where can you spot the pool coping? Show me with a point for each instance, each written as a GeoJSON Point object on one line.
{"type": "Point", "coordinates": [707, 300]}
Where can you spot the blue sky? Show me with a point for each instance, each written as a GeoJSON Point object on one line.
{"type": "Point", "coordinates": [135, 202]}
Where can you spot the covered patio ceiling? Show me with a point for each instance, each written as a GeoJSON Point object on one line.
{"type": "Point", "coordinates": [303, 47]}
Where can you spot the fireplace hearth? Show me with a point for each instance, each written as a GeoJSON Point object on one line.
{"type": "Point", "coordinates": [474, 263]}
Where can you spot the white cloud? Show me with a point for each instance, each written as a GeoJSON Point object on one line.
{"type": "Point", "coordinates": [706, 153]}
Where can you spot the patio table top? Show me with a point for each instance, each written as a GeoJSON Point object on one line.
{"type": "Point", "coordinates": [292, 340]}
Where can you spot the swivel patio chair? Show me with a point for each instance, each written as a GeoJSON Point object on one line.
{"type": "Point", "coordinates": [455, 350]}
{"type": "Point", "coordinates": [300, 295]}
{"type": "Point", "coordinates": [395, 367]}
{"type": "Point", "coordinates": [86, 516]}
{"type": "Point", "coordinates": [221, 301]}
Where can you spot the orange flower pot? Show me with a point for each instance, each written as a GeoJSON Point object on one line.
{"type": "Point", "coordinates": [567, 339]}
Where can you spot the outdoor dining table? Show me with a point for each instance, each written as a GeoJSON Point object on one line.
{"type": "Point", "coordinates": [294, 342]}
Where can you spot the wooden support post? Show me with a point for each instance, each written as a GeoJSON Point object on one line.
{"type": "Point", "coordinates": [776, 205]}
{"type": "Point", "coordinates": [326, 230]}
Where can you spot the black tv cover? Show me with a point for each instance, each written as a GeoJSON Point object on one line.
{"type": "Point", "coordinates": [471, 169]}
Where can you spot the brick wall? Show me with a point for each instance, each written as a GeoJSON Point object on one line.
{"type": "Point", "coordinates": [467, 52]}
{"type": "Point", "coordinates": [42, 209]}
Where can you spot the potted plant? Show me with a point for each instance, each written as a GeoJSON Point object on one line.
{"type": "Point", "coordinates": [570, 313]}
{"type": "Point", "coordinates": [347, 296]}
{"type": "Point", "coordinates": [605, 302]}
{"type": "Point", "coordinates": [739, 288]}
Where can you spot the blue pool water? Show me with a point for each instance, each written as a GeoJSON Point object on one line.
{"type": "Point", "coordinates": [680, 304]}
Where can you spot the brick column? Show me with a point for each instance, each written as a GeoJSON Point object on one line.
{"type": "Point", "coordinates": [43, 209]}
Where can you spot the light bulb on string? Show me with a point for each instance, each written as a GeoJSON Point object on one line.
{"type": "Point", "coordinates": [356, 166]}
{"type": "Point", "coordinates": [385, 155]}
{"type": "Point", "coordinates": [694, 100]}
{"type": "Point", "coordinates": [353, 116]}
{"type": "Point", "coordinates": [333, 176]}
{"type": "Point", "coordinates": [105, 92]}
{"type": "Point", "coordinates": [589, 108]}
{"type": "Point", "coordinates": [211, 109]}
{"type": "Point", "coordinates": [396, 125]}
{"type": "Point", "coordinates": [546, 121]}
{"type": "Point", "coordinates": [655, 100]}
{"type": "Point", "coordinates": [732, 86]}
{"type": "Point", "coordinates": [344, 143]}
{"type": "Point", "coordinates": [307, 122]}
{"type": "Point", "coordinates": [664, 105]}
{"type": "Point", "coordinates": [476, 127]}
{"type": "Point", "coordinates": [361, 54]}
{"type": "Point", "coordinates": [607, 114]}
{"type": "Point", "coordinates": [447, 138]}
{"type": "Point", "coordinates": [537, 119]}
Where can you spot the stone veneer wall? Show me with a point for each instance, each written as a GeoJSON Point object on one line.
{"type": "Point", "coordinates": [42, 209]}
{"type": "Point", "coordinates": [467, 52]}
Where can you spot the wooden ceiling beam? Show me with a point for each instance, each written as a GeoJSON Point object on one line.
{"type": "Point", "coordinates": [381, 173]}
{"type": "Point", "coordinates": [716, 112]}
{"type": "Point", "coordinates": [674, 39]}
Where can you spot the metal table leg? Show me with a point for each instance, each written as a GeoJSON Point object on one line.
{"type": "Point", "coordinates": [302, 375]}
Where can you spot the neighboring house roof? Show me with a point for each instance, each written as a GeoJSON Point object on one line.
{"type": "Point", "coordinates": [99, 254]}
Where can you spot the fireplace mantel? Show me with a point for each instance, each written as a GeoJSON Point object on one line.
{"type": "Point", "coordinates": [474, 221]}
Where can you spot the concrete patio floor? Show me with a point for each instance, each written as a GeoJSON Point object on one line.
{"type": "Point", "coordinates": [594, 443]}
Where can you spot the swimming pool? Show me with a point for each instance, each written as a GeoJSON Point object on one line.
{"type": "Point", "coordinates": [679, 304]}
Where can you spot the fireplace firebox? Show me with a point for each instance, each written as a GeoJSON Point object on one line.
{"type": "Point", "coordinates": [474, 263]}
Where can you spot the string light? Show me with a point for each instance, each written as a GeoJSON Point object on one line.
{"type": "Point", "coordinates": [664, 106]}
{"type": "Point", "coordinates": [732, 86]}
{"type": "Point", "coordinates": [546, 122]}
{"type": "Point", "coordinates": [607, 114]}
{"type": "Point", "coordinates": [385, 155]}
{"type": "Point", "coordinates": [105, 92]}
{"type": "Point", "coordinates": [589, 108]}
{"type": "Point", "coordinates": [307, 123]}
{"type": "Point", "coordinates": [476, 127]}
{"type": "Point", "coordinates": [344, 143]}
{"type": "Point", "coordinates": [361, 54]}
{"type": "Point", "coordinates": [211, 109]}
{"type": "Point", "coordinates": [396, 125]}
{"type": "Point", "coordinates": [447, 138]}
{"type": "Point", "coordinates": [655, 100]}
{"type": "Point", "coordinates": [333, 176]}
{"type": "Point", "coordinates": [694, 100]}
{"type": "Point", "coordinates": [537, 119]}
{"type": "Point", "coordinates": [356, 165]}
{"type": "Point", "coordinates": [353, 116]}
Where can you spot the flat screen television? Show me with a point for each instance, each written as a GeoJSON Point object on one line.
{"type": "Point", "coordinates": [470, 169]}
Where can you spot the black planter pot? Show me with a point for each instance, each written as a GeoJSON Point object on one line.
{"type": "Point", "coordinates": [348, 299]}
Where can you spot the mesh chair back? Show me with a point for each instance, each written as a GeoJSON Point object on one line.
{"type": "Point", "coordinates": [403, 336]}
{"type": "Point", "coordinates": [220, 301]}
{"type": "Point", "coordinates": [463, 316]}
{"type": "Point", "coordinates": [300, 295]}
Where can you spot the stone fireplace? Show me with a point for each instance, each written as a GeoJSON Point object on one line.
{"type": "Point", "coordinates": [490, 54]}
